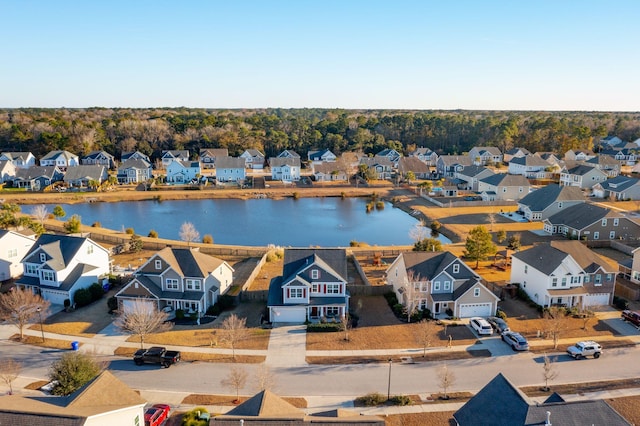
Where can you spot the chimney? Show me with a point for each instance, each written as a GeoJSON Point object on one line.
{"type": "Point", "coordinates": [548, 421]}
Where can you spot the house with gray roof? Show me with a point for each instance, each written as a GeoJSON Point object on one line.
{"type": "Point", "coordinates": [81, 176]}
{"type": "Point", "coordinates": [20, 160]}
{"type": "Point", "coordinates": [531, 167]}
{"type": "Point", "coordinates": [565, 273]}
{"type": "Point", "coordinates": [57, 266]}
{"type": "Point", "coordinates": [178, 278]}
{"type": "Point", "coordinates": [286, 169]}
{"type": "Point", "coordinates": [582, 176]}
{"type": "Point", "coordinates": [607, 164]}
{"type": "Point", "coordinates": [181, 172]}
{"type": "Point", "coordinates": [469, 176]}
{"type": "Point", "coordinates": [390, 154]}
{"type": "Point", "coordinates": [318, 156]}
{"type": "Point", "coordinates": [425, 155]}
{"type": "Point", "coordinates": [230, 169]}
{"type": "Point", "coordinates": [14, 246]}
{"type": "Point", "coordinates": [61, 159]}
{"type": "Point", "coordinates": [104, 400]}
{"type": "Point", "coordinates": [415, 166]}
{"type": "Point", "coordinates": [7, 171]}
{"type": "Point", "coordinates": [549, 200]}
{"type": "Point", "coordinates": [313, 286]}
{"type": "Point", "coordinates": [254, 159]}
{"type": "Point", "coordinates": [501, 403]}
{"type": "Point", "coordinates": [382, 166]}
{"type": "Point", "coordinates": [517, 152]}
{"type": "Point", "coordinates": [503, 187]}
{"type": "Point", "coordinates": [485, 155]}
{"type": "Point", "coordinates": [448, 165]}
{"type": "Point", "coordinates": [36, 178]}
{"type": "Point", "coordinates": [618, 188]}
{"type": "Point", "coordinates": [579, 155]}
{"type": "Point", "coordinates": [288, 153]}
{"type": "Point", "coordinates": [134, 170]}
{"type": "Point", "coordinates": [173, 154]}
{"type": "Point", "coordinates": [101, 158]}
{"type": "Point", "coordinates": [329, 171]}
{"type": "Point", "coordinates": [130, 155]}
{"type": "Point", "coordinates": [439, 282]}
{"type": "Point", "coordinates": [590, 222]}
{"type": "Point", "coordinates": [208, 156]}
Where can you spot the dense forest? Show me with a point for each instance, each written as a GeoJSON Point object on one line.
{"type": "Point", "coordinates": [273, 130]}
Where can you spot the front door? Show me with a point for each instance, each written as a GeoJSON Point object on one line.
{"type": "Point", "coordinates": [436, 308]}
{"type": "Point", "coordinates": [314, 312]}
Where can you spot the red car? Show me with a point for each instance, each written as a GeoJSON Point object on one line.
{"type": "Point", "coordinates": [156, 415]}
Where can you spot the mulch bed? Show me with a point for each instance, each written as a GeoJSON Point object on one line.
{"type": "Point", "coordinates": [434, 356]}
{"type": "Point", "coordinates": [230, 400]}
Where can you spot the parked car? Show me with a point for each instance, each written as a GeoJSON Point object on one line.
{"type": "Point", "coordinates": [515, 340]}
{"type": "Point", "coordinates": [498, 324]}
{"type": "Point", "coordinates": [584, 349]}
{"type": "Point", "coordinates": [632, 317]}
{"type": "Point", "coordinates": [156, 415]}
{"type": "Point", "coordinates": [481, 326]}
{"type": "Point", "coordinates": [156, 355]}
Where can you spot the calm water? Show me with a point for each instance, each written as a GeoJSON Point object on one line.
{"type": "Point", "coordinates": [327, 222]}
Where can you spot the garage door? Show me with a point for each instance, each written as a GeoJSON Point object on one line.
{"type": "Point", "coordinates": [601, 299]}
{"type": "Point", "coordinates": [128, 304]}
{"type": "Point", "coordinates": [280, 314]}
{"type": "Point", "coordinates": [475, 310]}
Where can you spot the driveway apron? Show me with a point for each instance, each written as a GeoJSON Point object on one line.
{"type": "Point", "coordinates": [287, 346]}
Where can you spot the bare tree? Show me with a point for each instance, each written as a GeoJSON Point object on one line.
{"type": "Point", "coordinates": [492, 220]}
{"type": "Point", "coordinates": [586, 313]}
{"type": "Point", "coordinates": [234, 330]}
{"type": "Point", "coordinates": [189, 233]}
{"type": "Point", "coordinates": [236, 379]}
{"type": "Point", "coordinates": [265, 379]}
{"type": "Point", "coordinates": [9, 371]}
{"type": "Point", "coordinates": [419, 231]}
{"type": "Point", "coordinates": [411, 293]}
{"type": "Point", "coordinates": [548, 371]}
{"type": "Point", "coordinates": [21, 307]}
{"type": "Point", "coordinates": [142, 319]}
{"type": "Point", "coordinates": [556, 323]}
{"type": "Point", "coordinates": [447, 379]}
{"type": "Point", "coordinates": [425, 332]}
{"type": "Point", "coordinates": [40, 212]}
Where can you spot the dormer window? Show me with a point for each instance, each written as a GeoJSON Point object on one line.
{"type": "Point", "coordinates": [43, 257]}
{"type": "Point", "coordinates": [158, 264]}
{"type": "Point", "coordinates": [315, 274]}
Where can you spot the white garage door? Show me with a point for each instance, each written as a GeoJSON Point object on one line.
{"type": "Point", "coordinates": [601, 299]}
{"type": "Point", "coordinates": [475, 310]}
{"type": "Point", "coordinates": [280, 314]}
{"type": "Point", "coordinates": [55, 297]}
{"type": "Point", "coordinates": [127, 304]}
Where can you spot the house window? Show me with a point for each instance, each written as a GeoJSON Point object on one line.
{"type": "Point", "coordinates": [172, 284]}
{"type": "Point", "coordinates": [564, 281]}
{"type": "Point", "coordinates": [586, 278]}
{"type": "Point", "coordinates": [596, 235]}
{"type": "Point", "coordinates": [315, 288]}
{"type": "Point", "coordinates": [554, 282]}
{"type": "Point", "coordinates": [333, 311]}
{"type": "Point", "coordinates": [604, 222]}
{"type": "Point", "coordinates": [575, 280]}
{"type": "Point", "coordinates": [612, 235]}
{"type": "Point", "coordinates": [456, 269]}
{"type": "Point", "coordinates": [31, 269]}
{"type": "Point", "coordinates": [526, 269]}
{"type": "Point", "coordinates": [315, 274]}
{"type": "Point", "coordinates": [447, 285]}
{"type": "Point", "coordinates": [12, 253]}
{"type": "Point", "coordinates": [425, 287]}
{"type": "Point", "coordinates": [476, 292]}
{"type": "Point", "coordinates": [89, 249]}
{"type": "Point", "coordinates": [609, 277]}
{"type": "Point", "coordinates": [616, 221]}
{"type": "Point", "coordinates": [333, 288]}
{"type": "Point", "coordinates": [520, 189]}
{"type": "Point", "coordinates": [598, 280]}
{"type": "Point", "coordinates": [158, 264]}
{"type": "Point", "coordinates": [48, 276]}
{"type": "Point", "coordinates": [295, 293]}
{"type": "Point", "coordinates": [43, 257]}
{"type": "Point", "coordinates": [193, 285]}
{"type": "Point", "coordinates": [436, 286]}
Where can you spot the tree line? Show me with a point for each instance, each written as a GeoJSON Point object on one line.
{"type": "Point", "coordinates": [272, 130]}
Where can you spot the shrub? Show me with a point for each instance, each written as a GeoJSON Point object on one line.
{"type": "Point", "coordinates": [275, 255]}
{"type": "Point", "coordinates": [195, 418]}
{"type": "Point", "coordinates": [207, 239]}
{"type": "Point", "coordinates": [96, 225]}
{"type": "Point", "coordinates": [391, 297]}
{"type": "Point", "coordinates": [82, 297]}
{"type": "Point", "coordinates": [416, 316]}
{"type": "Point", "coordinates": [400, 400]}
{"type": "Point", "coordinates": [112, 304]}
{"type": "Point", "coordinates": [129, 231]}
{"type": "Point", "coordinates": [179, 314]}
{"type": "Point", "coordinates": [426, 314]}
{"type": "Point", "coordinates": [620, 303]}
{"type": "Point", "coordinates": [501, 314]}
{"type": "Point", "coordinates": [398, 309]}
{"type": "Point", "coordinates": [213, 310]}
{"type": "Point", "coordinates": [324, 327]}
{"type": "Point", "coordinates": [449, 312]}
{"type": "Point", "coordinates": [295, 195]}
{"type": "Point", "coordinates": [96, 291]}
{"type": "Point", "coordinates": [153, 234]}
{"type": "Point", "coordinates": [371, 399]}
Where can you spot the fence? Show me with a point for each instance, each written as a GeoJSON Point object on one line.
{"type": "Point", "coordinates": [626, 289]}
{"type": "Point", "coordinates": [453, 202]}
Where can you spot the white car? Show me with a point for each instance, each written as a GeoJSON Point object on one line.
{"type": "Point", "coordinates": [481, 326]}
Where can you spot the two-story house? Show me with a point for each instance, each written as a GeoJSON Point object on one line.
{"type": "Point", "coordinates": [579, 155]}
{"type": "Point", "coordinates": [134, 155]}
{"type": "Point", "coordinates": [565, 273]}
{"type": "Point", "coordinates": [178, 278]}
{"type": "Point", "coordinates": [20, 160]}
{"type": "Point", "coordinates": [582, 176]}
{"type": "Point", "coordinates": [60, 159]}
{"type": "Point", "coordinates": [503, 186]}
{"type": "Point", "coordinates": [83, 175]}
{"type": "Point", "coordinates": [469, 176]}
{"type": "Point", "coordinates": [13, 247]}
{"type": "Point", "coordinates": [101, 158]}
{"type": "Point", "coordinates": [134, 170]}
{"type": "Point", "coordinates": [328, 172]}
{"type": "Point", "coordinates": [413, 165]}
{"type": "Point", "coordinates": [390, 154]}
{"type": "Point", "coordinates": [425, 155]}
{"type": "Point", "coordinates": [531, 167]}
{"type": "Point", "coordinates": [439, 281]}
{"type": "Point", "coordinates": [57, 266]}
{"type": "Point", "coordinates": [286, 169]}
{"type": "Point", "coordinates": [448, 165]}
{"type": "Point", "coordinates": [516, 152]}
{"type": "Point", "coordinates": [382, 166]}
{"type": "Point", "coordinates": [318, 156]}
{"type": "Point", "coordinates": [253, 158]}
{"type": "Point", "coordinates": [180, 172]}
{"type": "Point", "coordinates": [590, 222]}
{"type": "Point", "coordinates": [169, 156]}
{"type": "Point", "coordinates": [230, 169]}
{"type": "Point", "coordinates": [618, 188]}
{"type": "Point", "coordinates": [313, 286]}
{"type": "Point", "coordinates": [485, 155]}
{"type": "Point", "coordinates": [607, 164]}
{"type": "Point", "coordinates": [7, 171]}
{"type": "Point", "coordinates": [549, 200]}
{"type": "Point", "coordinates": [36, 178]}
{"type": "Point", "coordinates": [288, 153]}
{"type": "Point", "coordinates": [208, 156]}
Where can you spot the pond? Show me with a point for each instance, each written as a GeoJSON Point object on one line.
{"type": "Point", "coordinates": [326, 222]}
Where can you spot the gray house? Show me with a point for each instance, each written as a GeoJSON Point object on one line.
{"type": "Point", "coordinates": [134, 171]}
{"type": "Point", "coordinates": [469, 176]}
{"type": "Point", "coordinates": [81, 176]}
{"type": "Point", "coordinates": [591, 222]}
{"type": "Point", "coordinates": [448, 165]}
{"type": "Point", "coordinates": [414, 165]}
{"type": "Point", "coordinates": [582, 176]}
{"type": "Point", "coordinates": [484, 155]}
{"type": "Point", "coordinates": [208, 156]}
{"type": "Point", "coordinates": [549, 200]}
{"type": "Point", "coordinates": [618, 188]}
{"type": "Point", "coordinates": [502, 186]}
{"type": "Point", "coordinates": [36, 178]}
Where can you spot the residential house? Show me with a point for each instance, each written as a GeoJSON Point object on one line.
{"type": "Point", "coordinates": [515, 153]}
{"type": "Point", "coordinates": [230, 169]}
{"type": "Point", "coordinates": [382, 166]}
{"type": "Point", "coordinates": [565, 273]}
{"type": "Point", "coordinates": [81, 176]}
{"type": "Point", "coordinates": [469, 176]}
{"type": "Point", "coordinates": [137, 155]}
{"type": "Point", "coordinates": [287, 153]}
{"type": "Point", "coordinates": [313, 286]}
{"type": "Point", "coordinates": [579, 155]}
{"type": "Point", "coordinates": [286, 169]}
{"type": "Point", "coordinates": [582, 176]}
{"type": "Point", "coordinates": [7, 171]}
{"type": "Point", "coordinates": [328, 172]}
{"type": "Point", "coordinates": [607, 164]}
{"type": "Point", "coordinates": [59, 265]}
{"type": "Point", "coordinates": [178, 278]}
{"type": "Point", "coordinates": [440, 282]}
{"type": "Point", "coordinates": [531, 167]}
{"type": "Point", "coordinates": [419, 168]}
{"type": "Point", "coordinates": [390, 154]}
{"type": "Point", "coordinates": [104, 400]}
{"type": "Point", "coordinates": [630, 268]}
{"type": "Point", "coordinates": [36, 178]}
{"type": "Point", "coordinates": [60, 159]}
{"type": "Point", "coordinates": [267, 408]}
{"type": "Point", "coordinates": [448, 165]}
{"type": "Point", "coordinates": [426, 156]}
{"type": "Point", "coordinates": [181, 172]}
{"type": "Point", "coordinates": [485, 155]}
{"type": "Point", "coordinates": [549, 200]}
{"type": "Point", "coordinates": [501, 403]}
{"type": "Point", "coordinates": [253, 158]}
{"type": "Point", "coordinates": [176, 154]}
{"type": "Point", "coordinates": [551, 158]}
{"type": "Point", "coordinates": [589, 222]}
{"type": "Point", "coordinates": [20, 160]}
{"type": "Point", "coordinates": [14, 247]}
{"type": "Point", "coordinates": [618, 188]}
{"type": "Point", "coordinates": [101, 158]}
{"type": "Point", "coordinates": [610, 142]}
{"type": "Point", "coordinates": [208, 156]}
{"type": "Point", "coordinates": [134, 170]}
{"type": "Point", "coordinates": [351, 160]}
{"type": "Point", "coordinates": [318, 156]}
{"type": "Point", "coordinates": [503, 186]}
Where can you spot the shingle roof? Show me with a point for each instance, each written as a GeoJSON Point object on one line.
{"type": "Point", "coordinates": [542, 198]}
{"type": "Point", "coordinates": [449, 160]}
{"type": "Point", "coordinates": [55, 154]}
{"type": "Point", "coordinates": [531, 161]}
{"type": "Point", "coordinates": [266, 404]}
{"type": "Point", "coordinates": [230, 163]}
{"type": "Point", "coordinates": [60, 249]}
{"type": "Point", "coordinates": [376, 161]}
{"type": "Point", "coordinates": [581, 170]}
{"type": "Point", "coordinates": [412, 164]}
{"type": "Point", "coordinates": [282, 161]}
{"type": "Point", "coordinates": [428, 264]}
{"type": "Point", "coordinates": [579, 216]}
{"type": "Point", "coordinates": [90, 172]}
{"type": "Point", "coordinates": [546, 257]}
{"type": "Point", "coordinates": [619, 183]}
{"type": "Point", "coordinates": [326, 167]}
{"type": "Point", "coordinates": [135, 163]}
{"type": "Point", "coordinates": [35, 172]}
{"type": "Point", "coordinates": [294, 259]}
{"type": "Point", "coordinates": [577, 413]}
{"type": "Point", "coordinates": [190, 263]}
{"type": "Point", "coordinates": [504, 179]}
{"type": "Point", "coordinates": [473, 170]}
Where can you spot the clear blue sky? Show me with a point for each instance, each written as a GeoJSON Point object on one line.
{"type": "Point", "coordinates": [476, 54]}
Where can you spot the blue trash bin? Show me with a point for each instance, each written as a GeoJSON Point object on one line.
{"type": "Point", "coordinates": [75, 346]}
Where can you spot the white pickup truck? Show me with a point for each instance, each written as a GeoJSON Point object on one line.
{"type": "Point", "coordinates": [584, 349]}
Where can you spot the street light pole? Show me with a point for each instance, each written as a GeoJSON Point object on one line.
{"type": "Point", "coordinates": [389, 382]}
{"type": "Point", "coordinates": [39, 309]}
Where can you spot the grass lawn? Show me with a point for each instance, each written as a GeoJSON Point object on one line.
{"type": "Point", "coordinates": [200, 399]}
{"type": "Point", "coordinates": [48, 343]}
{"type": "Point", "coordinates": [258, 339]}
{"type": "Point", "coordinates": [197, 356]}
{"type": "Point", "coordinates": [439, 356]}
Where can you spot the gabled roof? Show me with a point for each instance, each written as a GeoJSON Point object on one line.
{"type": "Point", "coordinates": [412, 164]}
{"type": "Point", "coordinates": [57, 154]}
{"type": "Point", "coordinates": [135, 154]}
{"type": "Point", "coordinates": [491, 150]}
{"type": "Point", "coordinates": [253, 153]}
{"type": "Point", "coordinates": [60, 249]}
{"type": "Point", "coordinates": [175, 153]}
{"type": "Point", "coordinates": [450, 160]}
{"type": "Point", "coordinates": [580, 215]}
{"type": "Point", "coordinates": [546, 257]}
{"type": "Point", "coordinates": [189, 262]}
{"type": "Point", "coordinates": [185, 163]}
{"type": "Point", "coordinates": [504, 179]}
{"type": "Point", "coordinates": [422, 151]}
{"type": "Point", "coordinates": [604, 160]}
{"type": "Point", "coordinates": [582, 169]}
{"type": "Point", "coordinates": [586, 258]}
{"type": "Point", "coordinates": [22, 155]}
{"type": "Point", "coordinates": [576, 413]}
{"type": "Point", "coordinates": [89, 172]}
{"type": "Point", "coordinates": [542, 198]}
{"type": "Point", "coordinates": [96, 154]}
{"type": "Point", "coordinates": [473, 171]}
{"type": "Point", "coordinates": [288, 153]}
{"type": "Point", "coordinates": [516, 150]}
{"type": "Point", "coordinates": [294, 259]}
{"type": "Point", "coordinates": [376, 161]}
{"type": "Point", "coordinates": [284, 161]}
{"type": "Point", "coordinates": [230, 163]}
{"type": "Point", "coordinates": [619, 183]}
{"type": "Point", "coordinates": [427, 265]}
{"type": "Point", "coordinates": [326, 167]}
{"type": "Point", "coordinates": [34, 172]}
{"type": "Point", "coordinates": [530, 161]}
{"type": "Point", "coordinates": [214, 152]}
{"type": "Point", "coordinates": [266, 404]}
{"type": "Point", "coordinates": [135, 163]}
{"type": "Point", "coordinates": [317, 155]}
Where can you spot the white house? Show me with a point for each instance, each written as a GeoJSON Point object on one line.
{"type": "Point", "coordinates": [173, 155]}
{"type": "Point", "coordinates": [531, 167]}
{"type": "Point", "coordinates": [286, 169]}
{"type": "Point", "coordinates": [582, 176]}
{"type": "Point", "coordinates": [230, 169]}
{"type": "Point", "coordinates": [61, 159]}
{"type": "Point", "coordinates": [318, 156]}
{"type": "Point", "coordinates": [180, 172]}
{"type": "Point", "coordinates": [253, 158]}
{"type": "Point", "coordinates": [102, 158]}
{"type": "Point", "coordinates": [13, 247]}
{"type": "Point", "coordinates": [21, 160]}
{"type": "Point", "coordinates": [7, 171]}
{"type": "Point", "coordinates": [565, 273]}
{"type": "Point", "coordinates": [134, 170]}
{"type": "Point", "coordinates": [483, 155]}
{"type": "Point", "coordinates": [59, 265]}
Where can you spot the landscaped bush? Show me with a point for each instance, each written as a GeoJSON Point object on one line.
{"type": "Point", "coordinates": [325, 327]}
{"type": "Point", "coordinates": [96, 291]}
{"type": "Point", "coordinates": [213, 310]}
{"type": "Point", "coordinates": [398, 309]}
{"type": "Point", "coordinates": [449, 312]}
{"type": "Point", "coordinates": [391, 297]}
{"type": "Point", "coordinates": [82, 298]}
{"type": "Point", "coordinates": [112, 304]}
{"type": "Point", "coordinates": [400, 400]}
{"type": "Point", "coordinates": [371, 399]}
{"type": "Point", "coordinates": [620, 303]}
{"type": "Point", "coordinates": [129, 231]}
{"type": "Point", "coordinates": [153, 234]}
{"type": "Point", "coordinates": [501, 314]}
{"type": "Point", "coordinates": [179, 314]}
{"type": "Point", "coordinates": [196, 417]}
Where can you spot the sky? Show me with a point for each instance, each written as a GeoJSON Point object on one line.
{"type": "Point", "coordinates": [577, 55]}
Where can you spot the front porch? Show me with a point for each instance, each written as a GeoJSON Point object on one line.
{"type": "Point", "coordinates": [565, 298]}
